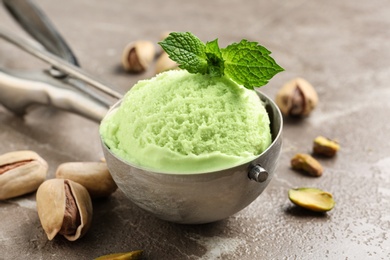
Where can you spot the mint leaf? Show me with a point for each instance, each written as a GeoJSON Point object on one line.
{"type": "Point", "coordinates": [214, 59]}
{"type": "Point", "coordinates": [249, 64]}
{"type": "Point", "coordinates": [187, 50]}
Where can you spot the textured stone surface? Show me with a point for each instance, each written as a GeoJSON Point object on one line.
{"type": "Point", "coordinates": [341, 47]}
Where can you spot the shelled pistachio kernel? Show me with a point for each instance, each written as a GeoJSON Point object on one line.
{"type": "Point", "coordinates": [325, 146]}
{"type": "Point", "coordinates": [306, 163]}
{"type": "Point", "coordinates": [133, 255]}
{"type": "Point", "coordinates": [312, 199]}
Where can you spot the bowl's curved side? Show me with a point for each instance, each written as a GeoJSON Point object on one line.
{"type": "Point", "coordinates": [198, 198]}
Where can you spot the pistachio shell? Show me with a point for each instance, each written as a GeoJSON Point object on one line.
{"type": "Point", "coordinates": [29, 172]}
{"type": "Point", "coordinates": [137, 56]}
{"type": "Point", "coordinates": [164, 63]}
{"type": "Point", "coordinates": [51, 202]}
{"type": "Point", "coordinates": [94, 176]}
{"type": "Point", "coordinates": [297, 97]}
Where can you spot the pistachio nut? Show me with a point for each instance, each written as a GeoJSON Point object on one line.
{"type": "Point", "coordinates": [94, 176]}
{"type": "Point", "coordinates": [137, 56]}
{"type": "Point", "coordinates": [306, 163]}
{"type": "Point", "coordinates": [325, 146]}
{"type": "Point", "coordinates": [21, 172]}
{"type": "Point", "coordinates": [312, 198]}
{"type": "Point", "coordinates": [65, 208]}
{"type": "Point", "coordinates": [165, 63]}
{"type": "Point", "coordinates": [297, 98]}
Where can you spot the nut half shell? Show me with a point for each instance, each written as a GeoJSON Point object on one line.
{"type": "Point", "coordinates": [51, 205]}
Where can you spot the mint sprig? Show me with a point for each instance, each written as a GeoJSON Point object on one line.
{"type": "Point", "coordinates": [247, 63]}
{"type": "Point", "coordinates": [187, 50]}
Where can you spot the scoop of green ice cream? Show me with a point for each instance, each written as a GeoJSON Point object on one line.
{"type": "Point", "coordinates": [179, 122]}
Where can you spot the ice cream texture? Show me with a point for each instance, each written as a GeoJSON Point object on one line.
{"type": "Point", "coordinates": [179, 122]}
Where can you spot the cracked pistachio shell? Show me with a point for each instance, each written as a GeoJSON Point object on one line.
{"type": "Point", "coordinates": [21, 172]}
{"type": "Point", "coordinates": [94, 176]}
{"type": "Point", "coordinates": [51, 203]}
{"type": "Point", "coordinates": [297, 97]}
{"type": "Point", "coordinates": [138, 55]}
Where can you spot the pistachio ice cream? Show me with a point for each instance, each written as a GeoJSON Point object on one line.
{"type": "Point", "coordinates": [179, 122]}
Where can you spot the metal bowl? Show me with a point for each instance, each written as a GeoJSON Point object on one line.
{"type": "Point", "coordinates": [202, 197]}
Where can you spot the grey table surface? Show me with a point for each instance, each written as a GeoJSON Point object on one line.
{"type": "Point", "coordinates": [341, 47]}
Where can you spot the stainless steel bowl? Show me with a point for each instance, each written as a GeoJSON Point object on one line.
{"type": "Point", "coordinates": [202, 197]}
